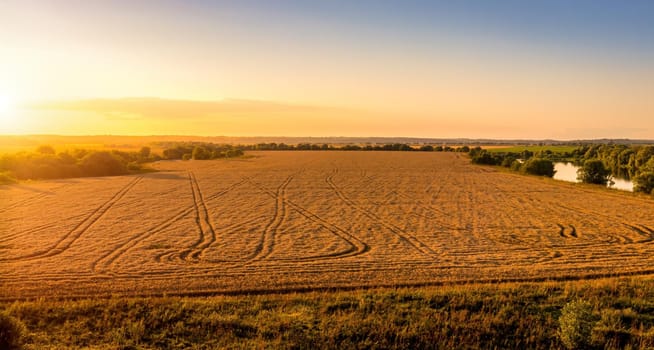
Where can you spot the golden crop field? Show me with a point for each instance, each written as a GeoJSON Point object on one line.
{"type": "Point", "coordinates": [309, 220]}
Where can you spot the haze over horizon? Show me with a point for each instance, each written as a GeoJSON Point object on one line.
{"type": "Point", "coordinates": [505, 69]}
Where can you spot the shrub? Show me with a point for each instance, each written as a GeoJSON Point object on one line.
{"type": "Point", "coordinates": [145, 152]}
{"type": "Point", "coordinates": [644, 182]}
{"type": "Point", "coordinates": [233, 153]}
{"type": "Point", "coordinates": [200, 153]}
{"type": "Point", "coordinates": [102, 164]}
{"type": "Point", "coordinates": [507, 161]}
{"type": "Point", "coordinates": [594, 172]}
{"type": "Point", "coordinates": [486, 158]}
{"type": "Point", "coordinates": [576, 324]}
{"type": "Point", "coordinates": [11, 332]}
{"type": "Point", "coordinates": [538, 166]}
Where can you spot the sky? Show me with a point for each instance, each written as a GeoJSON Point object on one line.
{"type": "Point", "coordinates": [572, 69]}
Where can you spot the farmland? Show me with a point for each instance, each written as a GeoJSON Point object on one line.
{"type": "Point", "coordinates": [297, 221]}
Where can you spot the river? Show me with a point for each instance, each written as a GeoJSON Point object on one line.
{"type": "Point", "coordinates": [568, 172]}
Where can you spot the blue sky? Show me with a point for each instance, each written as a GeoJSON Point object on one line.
{"type": "Point", "coordinates": [447, 68]}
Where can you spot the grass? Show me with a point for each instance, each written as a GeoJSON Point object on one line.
{"type": "Point", "coordinates": [468, 316]}
{"type": "Point", "coordinates": [518, 149]}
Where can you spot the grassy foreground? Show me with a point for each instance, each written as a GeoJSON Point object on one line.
{"type": "Point", "coordinates": [468, 316]}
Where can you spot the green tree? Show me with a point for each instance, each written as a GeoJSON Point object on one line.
{"type": "Point", "coordinates": [102, 164]}
{"type": "Point", "coordinates": [594, 172]}
{"type": "Point", "coordinates": [144, 153]}
{"type": "Point", "coordinates": [644, 182]}
{"type": "Point", "coordinates": [200, 153]}
{"type": "Point", "coordinates": [539, 166]}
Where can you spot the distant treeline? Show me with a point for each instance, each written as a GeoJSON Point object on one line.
{"type": "Point", "coordinates": [402, 147]}
{"type": "Point", "coordinates": [635, 162]}
{"type": "Point", "coordinates": [200, 151]}
{"type": "Point", "coordinates": [195, 150]}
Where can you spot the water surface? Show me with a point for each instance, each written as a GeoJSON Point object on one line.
{"type": "Point", "coordinates": [568, 172]}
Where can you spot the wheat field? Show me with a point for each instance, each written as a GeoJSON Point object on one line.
{"type": "Point", "coordinates": [279, 221]}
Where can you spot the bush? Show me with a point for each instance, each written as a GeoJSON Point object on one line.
{"type": "Point", "coordinates": [11, 332]}
{"type": "Point", "coordinates": [484, 157]}
{"type": "Point", "coordinates": [644, 182]}
{"type": "Point", "coordinates": [102, 164]}
{"type": "Point", "coordinates": [200, 153]}
{"type": "Point", "coordinates": [516, 165]}
{"type": "Point", "coordinates": [145, 153]}
{"type": "Point", "coordinates": [233, 153]}
{"type": "Point", "coordinates": [539, 166]}
{"type": "Point", "coordinates": [576, 325]}
{"type": "Point", "coordinates": [594, 172]}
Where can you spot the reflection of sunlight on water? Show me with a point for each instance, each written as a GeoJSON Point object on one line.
{"type": "Point", "coordinates": [622, 184]}
{"type": "Point", "coordinates": [568, 172]}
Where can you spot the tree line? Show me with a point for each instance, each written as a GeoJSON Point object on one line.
{"type": "Point", "coordinates": [401, 147]}
{"type": "Point", "coordinates": [45, 163]}
{"type": "Point", "coordinates": [598, 163]}
{"type": "Point", "coordinates": [200, 151]}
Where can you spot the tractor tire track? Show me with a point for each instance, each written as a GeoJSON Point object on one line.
{"type": "Point", "coordinates": [405, 237]}
{"type": "Point", "coordinates": [356, 245]}
{"type": "Point", "coordinates": [267, 241]}
{"type": "Point", "coordinates": [644, 231]}
{"type": "Point", "coordinates": [106, 261]}
{"type": "Point", "coordinates": [202, 220]}
{"type": "Point", "coordinates": [73, 235]}
{"type": "Point", "coordinates": [175, 256]}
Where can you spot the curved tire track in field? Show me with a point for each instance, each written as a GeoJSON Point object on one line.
{"type": "Point", "coordinates": [73, 235]}
{"type": "Point", "coordinates": [202, 220]}
{"type": "Point", "coordinates": [644, 231]}
{"type": "Point", "coordinates": [175, 257]}
{"type": "Point", "coordinates": [267, 241]}
{"type": "Point", "coordinates": [356, 245]}
{"type": "Point", "coordinates": [618, 238]}
{"type": "Point", "coordinates": [106, 261]}
{"type": "Point", "coordinates": [405, 237]}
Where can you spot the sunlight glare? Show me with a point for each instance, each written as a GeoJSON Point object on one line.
{"type": "Point", "coordinates": [6, 113]}
{"type": "Point", "coordinates": [5, 104]}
